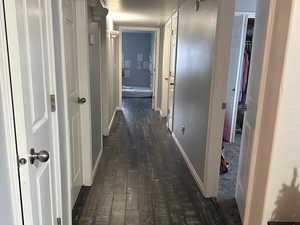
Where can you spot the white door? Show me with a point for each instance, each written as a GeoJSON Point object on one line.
{"type": "Point", "coordinates": [30, 45]}
{"type": "Point", "coordinates": [69, 26]}
{"type": "Point", "coordinates": [235, 75]}
{"type": "Point", "coordinates": [166, 67]}
{"type": "Point", "coordinates": [172, 72]}
{"type": "Point", "coordinates": [246, 161]}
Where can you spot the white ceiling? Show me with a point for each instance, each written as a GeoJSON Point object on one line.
{"type": "Point", "coordinates": [141, 12]}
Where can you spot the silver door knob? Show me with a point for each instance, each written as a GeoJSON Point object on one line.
{"type": "Point", "coordinates": [81, 100]}
{"type": "Point", "coordinates": [42, 156]}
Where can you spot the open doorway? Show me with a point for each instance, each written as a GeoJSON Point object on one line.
{"type": "Point", "coordinates": [138, 63]}
{"type": "Point", "coordinates": [241, 51]}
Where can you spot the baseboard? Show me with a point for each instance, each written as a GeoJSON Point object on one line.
{"type": "Point", "coordinates": [161, 114]}
{"type": "Point", "coordinates": [190, 165]}
{"type": "Point", "coordinates": [97, 164]}
{"type": "Point", "coordinates": [111, 122]}
{"type": "Point", "coordinates": [119, 108]}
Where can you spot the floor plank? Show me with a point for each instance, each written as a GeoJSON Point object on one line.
{"type": "Point", "coordinates": [142, 178]}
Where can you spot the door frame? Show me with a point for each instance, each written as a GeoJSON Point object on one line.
{"type": "Point", "coordinates": [216, 124]}
{"type": "Point", "coordinates": [8, 117]}
{"type": "Point", "coordinates": [156, 30]}
{"type": "Point", "coordinates": [215, 134]}
{"type": "Point", "coordinates": [166, 66]}
{"type": "Point", "coordinates": [19, 138]}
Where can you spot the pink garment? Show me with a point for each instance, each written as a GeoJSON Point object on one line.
{"type": "Point", "coordinates": [246, 71]}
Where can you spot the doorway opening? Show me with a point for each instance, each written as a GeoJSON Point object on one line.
{"type": "Point", "coordinates": [138, 63]}
{"type": "Point", "coordinates": [241, 51]}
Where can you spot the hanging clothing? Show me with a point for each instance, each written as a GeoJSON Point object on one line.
{"type": "Point", "coordinates": [246, 71]}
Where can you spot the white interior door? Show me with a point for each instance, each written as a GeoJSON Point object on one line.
{"type": "Point", "coordinates": [72, 78]}
{"type": "Point", "coordinates": [166, 68]}
{"type": "Point", "coordinates": [246, 161]}
{"type": "Point", "coordinates": [30, 44]}
{"type": "Point", "coordinates": [172, 72]}
{"type": "Point", "coordinates": [235, 75]}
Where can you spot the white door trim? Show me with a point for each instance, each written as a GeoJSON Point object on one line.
{"type": "Point", "coordinates": [18, 106]}
{"type": "Point", "coordinates": [157, 38]}
{"type": "Point", "coordinates": [6, 99]}
{"type": "Point", "coordinates": [166, 67]}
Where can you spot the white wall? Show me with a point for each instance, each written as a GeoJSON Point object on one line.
{"type": "Point", "coordinates": [95, 85]}
{"type": "Point", "coordinates": [202, 61]}
{"type": "Point", "coordinates": [245, 5]}
{"type": "Point", "coordinates": [276, 159]}
{"type": "Point", "coordinates": [109, 72]}
{"type": "Point", "coordinates": [282, 201]}
{"type": "Point", "coordinates": [195, 55]}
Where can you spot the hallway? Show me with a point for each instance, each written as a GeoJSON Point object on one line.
{"type": "Point", "coordinates": [142, 178]}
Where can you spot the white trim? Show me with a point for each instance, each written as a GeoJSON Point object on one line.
{"type": "Point", "coordinates": [112, 120]}
{"type": "Point", "coordinates": [157, 54]}
{"type": "Point", "coordinates": [119, 108]}
{"type": "Point", "coordinates": [199, 182]}
{"type": "Point", "coordinates": [245, 13]}
{"type": "Point", "coordinates": [166, 62]}
{"type": "Point", "coordinates": [97, 164]}
{"type": "Point", "coordinates": [84, 89]}
{"type": "Point", "coordinates": [10, 140]}
{"type": "Point", "coordinates": [65, 108]}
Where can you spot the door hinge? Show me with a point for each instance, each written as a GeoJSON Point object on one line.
{"type": "Point", "coordinates": [59, 222]}
{"type": "Point", "coordinates": [172, 32]}
{"type": "Point", "coordinates": [52, 103]}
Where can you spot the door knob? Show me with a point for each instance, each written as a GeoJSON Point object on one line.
{"type": "Point", "coordinates": [81, 100]}
{"type": "Point", "coordinates": [42, 156]}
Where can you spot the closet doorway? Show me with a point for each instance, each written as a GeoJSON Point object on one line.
{"type": "Point", "coordinates": [241, 51]}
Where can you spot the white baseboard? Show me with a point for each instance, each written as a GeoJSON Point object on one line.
{"type": "Point", "coordinates": [190, 165]}
{"type": "Point", "coordinates": [161, 114]}
{"type": "Point", "coordinates": [111, 122]}
{"type": "Point", "coordinates": [97, 164]}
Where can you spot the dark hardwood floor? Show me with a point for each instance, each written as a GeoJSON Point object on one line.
{"type": "Point", "coordinates": [142, 178]}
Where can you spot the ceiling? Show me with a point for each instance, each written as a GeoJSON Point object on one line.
{"type": "Point", "coordinates": [141, 12]}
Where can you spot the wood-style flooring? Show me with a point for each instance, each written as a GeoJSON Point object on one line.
{"type": "Point", "coordinates": [142, 178]}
